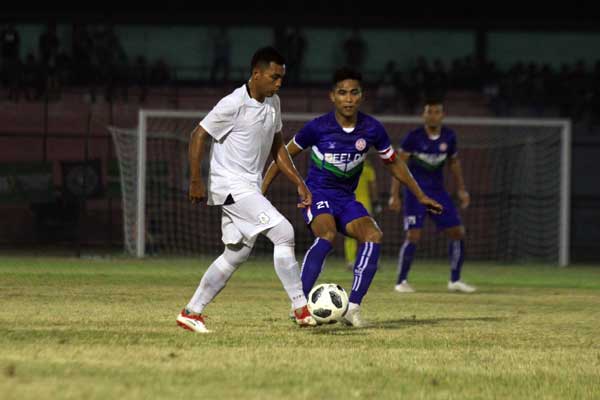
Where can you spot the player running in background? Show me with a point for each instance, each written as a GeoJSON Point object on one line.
{"type": "Point", "coordinates": [339, 142]}
{"type": "Point", "coordinates": [245, 128]}
{"type": "Point", "coordinates": [426, 150]}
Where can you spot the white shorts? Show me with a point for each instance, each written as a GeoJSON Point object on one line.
{"type": "Point", "coordinates": [243, 220]}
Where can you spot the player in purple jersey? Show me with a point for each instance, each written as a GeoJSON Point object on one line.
{"type": "Point", "coordinates": [339, 142]}
{"type": "Point", "coordinates": [426, 150]}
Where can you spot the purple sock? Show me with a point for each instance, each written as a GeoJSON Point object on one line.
{"type": "Point", "coordinates": [405, 259]}
{"type": "Point", "coordinates": [312, 265]}
{"type": "Point", "coordinates": [364, 270]}
{"type": "Point", "coordinates": [456, 252]}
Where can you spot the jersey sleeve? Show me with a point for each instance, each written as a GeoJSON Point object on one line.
{"type": "Point", "coordinates": [307, 136]}
{"type": "Point", "coordinates": [221, 119]}
{"type": "Point", "coordinates": [383, 145]}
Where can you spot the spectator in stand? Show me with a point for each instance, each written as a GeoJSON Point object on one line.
{"type": "Point", "coordinates": [491, 87]}
{"type": "Point", "coordinates": [386, 94]}
{"type": "Point", "coordinates": [295, 46]}
{"type": "Point", "coordinates": [33, 80]}
{"type": "Point", "coordinates": [10, 42]}
{"type": "Point", "coordinates": [420, 76]}
{"type": "Point", "coordinates": [456, 74]}
{"type": "Point", "coordinates": [221, 63]}
{"type": "Point", "coordinates": [81, 49]}
{"type": "Point", "coordinates": [581, 86]}
{"type": "Point", "coordinates": [49, 45]}
{"type": "Point", "coordinates": [141, 77]}
{"type": "Point", "coordinates": [112, 62]}
{"type": "Point", "coordinates": [159, 74]}
{"type": "Point", "coordinates": [355, 50]}
{"type": "Point", "coordinates": [565, 91]}
{"type": "Point", "coordinates": [438, 82]}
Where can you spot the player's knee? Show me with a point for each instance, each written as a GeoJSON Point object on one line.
{"type": "Point", "coordinates": [374, 236]}
{"type": "Point", "coordinates": [413, 236]}
{"type": "Point", "coordinates": [457, 233]}
{"type": "Point", "coordinates": [236, 254]}
{"type": "Point", "coordinates": [282, 234]}
{"type": "Point", "coordinates": [327, 235]}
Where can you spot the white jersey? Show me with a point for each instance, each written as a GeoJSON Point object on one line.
{"type": "Point", "coordinates": [243, 130]}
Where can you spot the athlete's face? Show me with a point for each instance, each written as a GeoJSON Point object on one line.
{"type": "Point", "coordinates": [433, 114]}
{"type": "Point", "coordinates": [346, 97]}
{"type": "Point", "coordinates": [268, 79]}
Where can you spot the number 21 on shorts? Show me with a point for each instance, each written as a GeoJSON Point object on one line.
{"type": "Point", "coordinates": [322, 204]}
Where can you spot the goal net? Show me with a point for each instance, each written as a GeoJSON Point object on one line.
{"type": "Point", "coordinates": [516, 170]}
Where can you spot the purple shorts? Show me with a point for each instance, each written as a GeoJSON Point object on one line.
{"type": "Point", "coordinates": [342, 206]}
{"type": "Point", "coordinates": [414, 212]}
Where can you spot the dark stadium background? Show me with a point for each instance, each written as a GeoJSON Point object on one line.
{"type": "Point", "coordinates": [61, 219]}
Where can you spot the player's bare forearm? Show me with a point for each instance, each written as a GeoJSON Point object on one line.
{"type": "Point", "coordinates": [394, 202]}
{"type": "Point", "coordinates": [396, 185]}
{"type": "Point", "coordinates": [463, 195]}
{"type": "Point", "coordinates": [271, 174]}
{"type": "Point", "coordinates": [286, 165]}
{"type": "Point", "coordinates": [197, 189]}
{"type": "Point", "coordinates": [456, 169]}
{"type": "Point", "coordinates": [196, 152]}
{"type": "Point", "coordinates": [283, 159]}
{"type": "Point", "coordinates": [400, 171]}
{"type": "Point", "coordinates": [282, 156]}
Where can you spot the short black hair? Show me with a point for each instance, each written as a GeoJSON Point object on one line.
{"type": "Point", "coordinates": [265, 55]}
{"type": "Point", "coordinates": [341, 74]}
{"type": "Point", "coordinates": [434, 101]}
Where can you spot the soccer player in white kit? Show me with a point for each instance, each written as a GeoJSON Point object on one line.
{"type": "Point", "coordinates": [245, 127]}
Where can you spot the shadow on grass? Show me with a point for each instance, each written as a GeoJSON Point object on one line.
{"type": "Point", "coordinates": [408, 322]}
{"type": "Point", "coordinates": [339, 329]}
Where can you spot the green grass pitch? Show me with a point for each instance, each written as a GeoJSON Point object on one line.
{"type": "Point", "coordinates": [105, 329]}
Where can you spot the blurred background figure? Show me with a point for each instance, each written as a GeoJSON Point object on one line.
{"type": "Point", "coordinates": [295, 47]}
{"type": "Point", "coordinates": [355, 50]}
{"type": "Point", "coordinates": [10, 65]}
{"type": "Point", "coordinates": [387, 90]}
{"type": "Point", "coordinates": [221, 62]}
{"type": "Point", "coordinates": [48, 47]}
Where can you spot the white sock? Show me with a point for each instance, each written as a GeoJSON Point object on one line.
{"type": "Point", "coordinates": [212, 282]}
{"type": "Point", "coordinates": [288, 272]}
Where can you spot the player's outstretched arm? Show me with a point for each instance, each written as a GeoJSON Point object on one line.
{"type": "Point", "coordinates": [273, 169]}
{"type": "Point", "coordinates": [374, 195]}
{"type": "Point", "coordinates": [197, 191]}
{"type": "Point", "coordinates": [400, 171]}
{"type": "Point", "coordinates": [456, 169]}
{"type": "Point", "coordinates": [395, 201]}
{"type": "Point", "coordinates": [282, 161]}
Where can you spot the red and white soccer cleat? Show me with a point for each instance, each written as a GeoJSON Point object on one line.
{"type": "Point", "coordinates": [303, 317]}
{"type": "Point", "coordinates": [191, 322]}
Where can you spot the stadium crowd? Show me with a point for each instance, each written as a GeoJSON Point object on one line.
{"type": "Point", "coordinates": [94, 58]}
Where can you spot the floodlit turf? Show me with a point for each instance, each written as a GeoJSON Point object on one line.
{"type": "Point", "coordinates": [105, 329]}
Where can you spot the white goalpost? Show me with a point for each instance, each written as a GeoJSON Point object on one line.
{"type": "Point", "coordinates": [517, 171]}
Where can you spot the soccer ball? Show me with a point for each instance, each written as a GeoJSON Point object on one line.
{"type": "Point", "coordinates": [327, 303]}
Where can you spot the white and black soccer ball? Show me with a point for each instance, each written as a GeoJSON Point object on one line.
{"type": "Point", "coordinates": [327, 303]}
